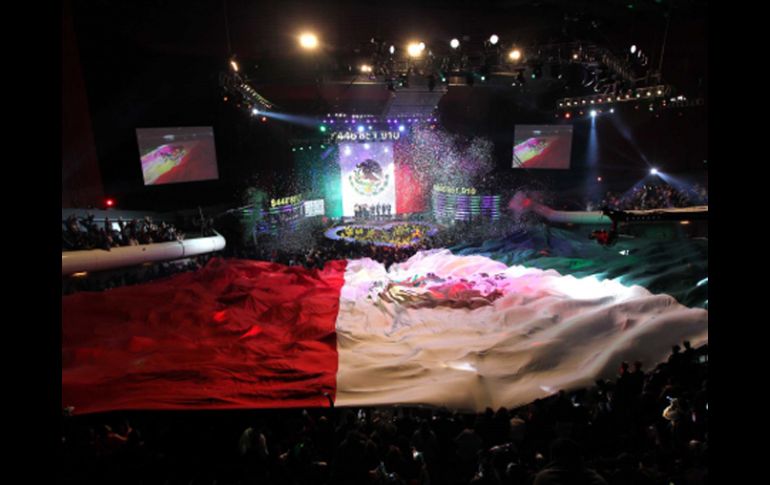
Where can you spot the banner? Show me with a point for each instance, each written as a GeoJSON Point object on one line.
{"type": "Point", "coordinates": [464, 332]}
{"type": "Point", "coordinates": [367, 176]}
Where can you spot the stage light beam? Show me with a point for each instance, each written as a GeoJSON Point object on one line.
{"type": "Point", "coordinates": [308, 41]}
{"type": "Point", "coordinates": [654, 171]}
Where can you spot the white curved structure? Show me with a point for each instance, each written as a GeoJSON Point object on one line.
{"type": "Point", "coordinates": [100, 259]}
{"type": "Point", "coordinates": [574, 217]}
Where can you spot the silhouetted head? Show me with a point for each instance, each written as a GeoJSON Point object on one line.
{"type": "Point", "coordinates": [566, 452]}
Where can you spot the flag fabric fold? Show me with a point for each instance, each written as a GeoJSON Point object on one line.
{"type": "Point", "coordinates": [465, 332]}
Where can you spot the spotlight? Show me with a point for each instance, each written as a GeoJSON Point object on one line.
{"type": "Point", "coordinates": [413, 49]}
{"type": "Point", "coordinates": [392, 50]}
{"type": "Point", "coordinates": [308, 41]}
{"type": "Point", "coordinates": [264, 119]}
{"type": "Point", "coordinates": [568, 115]}
{"type": "Point", "coordinates": [515, 55]}
{"type": "Point", "coordinates": [323, 128]}
{"type": "Point", "coordinates": [575, 56]}
{"type": "Point", "coordinates": [401, 128]}
{"type": "Point", "coordinates": [493, 39]}
{"type": "Point", "coordinates": [598, 179]}
{"type": "Point", "coordinates": [593, 113]}
{"type": "Point", "coordinates": [633, 49]}
{"type": "Point", "coordinates": [234, 65]}
{"type": "Point", "coordinates": [612, 110]}
{"type": "Point", "coordinates": [360, 128]}
{"type": "Point", "coordinates": [366, 68]}
{"type": "Point", "coordinates": [454, 43]}
{"type": "Point", "coordinates": [254, 111]}
{"type": "Point", "coordinates": [654, 171]}
{"type": "Point", "coordinates": [109, 202]}
{"type": "Point", "coordinates": [422, 46]}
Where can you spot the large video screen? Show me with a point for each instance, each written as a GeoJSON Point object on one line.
{"type": "Point", "coordinates": [172, 155]}
{"type": "Point", "coordinates": [368, 177]}
{"type": "Point", "coordinates": [542, 146]}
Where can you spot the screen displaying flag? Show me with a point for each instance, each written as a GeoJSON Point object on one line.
{"type": "Point", "coordinates": [368, 175]}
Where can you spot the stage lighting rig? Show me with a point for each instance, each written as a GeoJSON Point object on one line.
{"type": "Point", "coordinates": [654, 93]}
{"type": "Point", "coordinates": [238, 87]}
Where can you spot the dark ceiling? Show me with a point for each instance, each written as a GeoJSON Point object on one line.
{"type": "Point", "coordinates": [198, 38]}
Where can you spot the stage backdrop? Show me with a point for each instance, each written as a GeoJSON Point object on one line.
{"type": "Point", "coordinates": [367, 175]}
{"type": "Point", "coordinates": [320, 174]}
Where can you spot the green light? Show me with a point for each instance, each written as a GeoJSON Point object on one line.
{"type": "Point", "coordinates": [323, 128]}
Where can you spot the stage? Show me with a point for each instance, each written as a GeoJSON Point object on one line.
{"type": "Point", "coordinates": [387, 233]}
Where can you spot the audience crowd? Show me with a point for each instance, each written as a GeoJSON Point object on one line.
{"type": "Point", "coordinates": [641, 428]}
{"type": "Point", "coordinates": [84, 233]}
{"type": "Point", "coordinates": [654, 196]}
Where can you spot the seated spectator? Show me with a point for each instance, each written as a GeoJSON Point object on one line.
{"type": "Point", "coordinates": [566, 467]}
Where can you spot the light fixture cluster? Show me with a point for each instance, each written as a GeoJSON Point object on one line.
{"type": "Point", "coordinates": [368, 119]}
{"type": "Point", "coordinates": [238, 90]}
{"type": "Point", "coordinates": [639, 94]}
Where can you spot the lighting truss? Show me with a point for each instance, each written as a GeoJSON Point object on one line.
{"type": "Point", "coordinates": [649, 93]}
{"type": "Point", "coordinates": [236, 85]}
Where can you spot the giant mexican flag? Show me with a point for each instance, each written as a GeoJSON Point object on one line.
{"type": "Point", "coordinates": [465, 332]}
